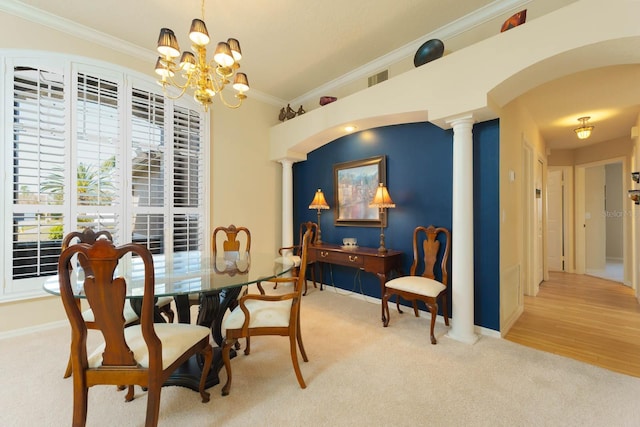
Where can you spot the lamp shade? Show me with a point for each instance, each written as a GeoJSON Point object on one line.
{"type": "Point", "coordinates": [234, 45]}
{"type": "Point", "coordinates": [223, 55]}
{"type": "Point", "coordinates": [198, 33]}
{"type": "Point", "coordinates": [168, 44]}
{"type": "Point", "coordinates": [241, 82]}
{"type": "Point", "coordinates": [382, 199]}
{"type": "Point", "coordinates": [319, 201]}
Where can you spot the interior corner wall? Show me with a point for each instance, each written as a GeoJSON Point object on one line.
{"type": "Point", "coordinates": [246, 187]}
{"type": "Point", "coordinates": [419, 159]}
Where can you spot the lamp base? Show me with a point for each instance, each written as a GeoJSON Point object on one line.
{"type": "Point", "coordinates": [382, 249]}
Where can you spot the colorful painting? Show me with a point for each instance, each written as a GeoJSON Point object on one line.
{"type": "Point", "coordinates": [355, 185]}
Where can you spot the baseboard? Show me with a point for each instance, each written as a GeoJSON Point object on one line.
{"type": "Point", "coordinates": [32, 329]}
{"type": "Point", "coordinates": [480, 330]}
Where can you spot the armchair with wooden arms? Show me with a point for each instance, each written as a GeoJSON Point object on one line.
{"type": "Point", "coordinates": [260, 315]}
{"type": "Point", "coordinates": [145, 354]}
{"type": "Point", "coordinates": [425, 287]}
{"type": "Point", "coordinates": [130, 316]}
{"type": "Point", "coordinates": [294, 252]}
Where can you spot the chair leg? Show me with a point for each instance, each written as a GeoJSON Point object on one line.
{"type": "Point", "coordinates": [385, 310]}
{"type": "Point", "coordinates": [80, 397]}
{"type": "Point", "coordinates": [294, 358]}
{"type": "Point", "coordinates": [247, 349]}
{"type": "Point", "coordinates": [226, 348]}
{"type": "Point", "coordinates": [433, 308]}
{"type": "Point", "coordinates": [208, 358]}
{"type": "Point", "coordinates": [300, 345]}
{"type": "Point", "coordinates": [445, 309]}
{"type": "Point", "coordinates": [67, 372]}
{"type": "Point", "coordinates": [130, 394]}
{"type": "Point", "coordinates": [153, 405]}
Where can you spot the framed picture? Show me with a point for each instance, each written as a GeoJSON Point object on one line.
{"type": "Point", "coordinates": [355, 185]}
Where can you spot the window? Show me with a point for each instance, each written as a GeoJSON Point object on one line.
{"type": "Point", "coordinates": [95, 148]}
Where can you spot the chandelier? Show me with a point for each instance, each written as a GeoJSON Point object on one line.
{"type": "Point", "coordinates": [206, 78]}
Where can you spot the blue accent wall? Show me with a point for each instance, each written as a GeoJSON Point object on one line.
{"type": "Point", "coordinates": [419, 159]}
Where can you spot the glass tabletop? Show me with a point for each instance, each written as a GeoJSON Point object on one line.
{"type": "Point", "coordinates": [188, 273]}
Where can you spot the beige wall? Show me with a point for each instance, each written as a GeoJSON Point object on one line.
{"type": "Point", "coordinates": [245, 184]}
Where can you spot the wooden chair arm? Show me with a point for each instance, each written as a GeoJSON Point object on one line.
{"type": "Point", "coordinates": [294, 249]}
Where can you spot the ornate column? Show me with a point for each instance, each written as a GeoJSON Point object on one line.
{"type": "Point", "coordinates": [462, 266]}
{"type": "Point", "coordinates": [287, 202]}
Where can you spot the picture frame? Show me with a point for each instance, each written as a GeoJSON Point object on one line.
{"type": "Point", "coordinates": [354, 185]}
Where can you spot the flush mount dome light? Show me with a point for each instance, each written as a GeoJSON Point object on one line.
{"type": "Point", "coordinates": [584, 131]}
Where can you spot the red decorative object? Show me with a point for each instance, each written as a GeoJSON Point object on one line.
{"type": "Point", "coordinates": [324, 100]}
{"type": "Point", "coordinates": [515, 20]}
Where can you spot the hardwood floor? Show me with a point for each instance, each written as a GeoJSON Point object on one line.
{"type": "Point", "coordinates": [586, 318]}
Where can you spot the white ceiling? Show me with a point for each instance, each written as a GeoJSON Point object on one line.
{"type": "Point", "coordinates": [293, 47]}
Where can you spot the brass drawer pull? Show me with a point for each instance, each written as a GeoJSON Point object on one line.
{"type": "Point", "coordinates": [324, 254]}
{"type": "Point", "coordinates": [353, 258]}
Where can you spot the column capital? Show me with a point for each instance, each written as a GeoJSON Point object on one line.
{"type": "Point", "coordinates": [466, 119]}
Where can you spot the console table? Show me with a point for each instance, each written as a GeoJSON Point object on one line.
{"type": "Point", "coordinates": [367, 259]}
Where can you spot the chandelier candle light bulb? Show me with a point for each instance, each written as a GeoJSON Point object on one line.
{"type": "Point", "coordinates": [205, 78]}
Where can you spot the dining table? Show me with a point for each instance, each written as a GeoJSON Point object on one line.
{"type": "Point", "coordinates": [217, 281]}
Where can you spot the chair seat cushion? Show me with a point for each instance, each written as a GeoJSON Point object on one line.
{"type": "Point", "coordinates": [261, 314]}
{"type": "Point", "coordinates": [176, 339]}
{"type": "Point", "coordinates": [417, 285]}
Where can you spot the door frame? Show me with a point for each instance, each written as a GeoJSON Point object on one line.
{"type": "Point", "coordinates": [580, 238]}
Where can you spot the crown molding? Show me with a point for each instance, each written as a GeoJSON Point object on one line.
{"type": "Point", "coordinates": [453, 29]}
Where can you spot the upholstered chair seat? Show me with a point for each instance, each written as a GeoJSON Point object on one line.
{"type": "Point", "coordinates": [417, 285]}
{"type": "Point", "coordinates": [176, 339]}
{"type": "Point", "coordinates": [261, 314]}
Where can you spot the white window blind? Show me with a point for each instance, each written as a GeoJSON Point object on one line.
{"type": "Point", "coordinates": [38, 164]}
{"type": "Point", "coordinates": [97, 161]}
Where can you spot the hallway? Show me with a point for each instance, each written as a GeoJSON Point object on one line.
{"type": "Point", "coordinates": [586, 318]}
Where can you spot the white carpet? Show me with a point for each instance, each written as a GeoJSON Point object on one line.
{"type": "Point", "coordinates": [358, 374]}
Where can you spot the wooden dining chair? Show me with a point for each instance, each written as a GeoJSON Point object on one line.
{"type": "Point", "coordinates": [231, 244]}
{"type": "Point", "coordinates": [294, 252]}
{"type": "Point", "coordinates": [259, 314]}
{"type": "Point", "coordinates": [90, 236]}
{"type": "Point", "coordinates": [145, 354]}
{"type": "Point", "coordinates": [431, 284]}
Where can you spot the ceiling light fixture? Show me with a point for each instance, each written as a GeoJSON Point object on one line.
{"type": "Point", "coordinates": [206, 78]}
{"type": "Point", "coordinates": [584, 131]}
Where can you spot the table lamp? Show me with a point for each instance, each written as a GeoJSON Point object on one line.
{"type": "Point", "coordinates": [382, 200]}
{"type": "Point", "coordinates": [319, 203]}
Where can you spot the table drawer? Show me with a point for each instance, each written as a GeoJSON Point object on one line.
{"type": "Point", "coordinates": [341, 258]}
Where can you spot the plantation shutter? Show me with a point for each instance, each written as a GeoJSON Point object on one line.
{"type": "Point", "coordinates": [187, 180]}
{"type": "Point", "coordinates": [38, 149]}
{"type": "Point", "coordinates": [97, 160]}
{"type": "Point", "coordinates": [148, 170]}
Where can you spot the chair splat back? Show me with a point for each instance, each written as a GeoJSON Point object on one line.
{"type": "Point", "coordinates": [430, 249]}
{"type": "Point", "coordinates": [106, 296]}
{"type": "Point", "coordinates": [231, 242]}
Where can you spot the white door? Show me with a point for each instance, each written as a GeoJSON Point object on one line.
{"type": "Point", "coordinates": [539, 248]}
{"type": "Point", "coordinates": [555, 223]}
{"type": "Point", "coordinates": [595, 221]}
